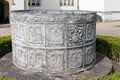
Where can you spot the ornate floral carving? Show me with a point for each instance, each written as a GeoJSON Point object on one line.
{"type": "Point", "coordinates": [75, 34]}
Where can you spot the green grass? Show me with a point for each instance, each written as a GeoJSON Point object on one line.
{"type": "Point", "coordinates": [115, 76]}
{"type": "Point", "coordinates": [5, 45]}
{"type": "Point", "coordinates": [7, 78]}
{"type": "Point", "coordinates": [109, 46]}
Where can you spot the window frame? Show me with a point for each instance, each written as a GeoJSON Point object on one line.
{"type": "Point", "coordinates": [34, 3]}
{"type": "Point", "coordinates": [66, 3]}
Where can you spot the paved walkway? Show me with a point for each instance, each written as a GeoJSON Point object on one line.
{"type": "Point", "coordinates": [107, 28]}
{"type": "Point", "coordinates": [5, 30]}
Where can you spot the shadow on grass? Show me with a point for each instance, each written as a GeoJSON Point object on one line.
{"type": "Point", "coordinates": [103, 47]}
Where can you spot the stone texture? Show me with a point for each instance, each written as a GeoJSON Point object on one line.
{"type": "Point", "coordinates": [53, 42]}
{"type": "Point", "coordinates": [102, 67]}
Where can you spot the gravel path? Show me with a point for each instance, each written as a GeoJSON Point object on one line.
{"type": "Point", "coordinates": [105, 28]}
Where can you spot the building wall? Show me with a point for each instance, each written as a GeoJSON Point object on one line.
{"type": "Point", "coordinates": [108, 9]}
{"type": "Point", "coordinates": [112, 5]}
{"type": "Point", "coordinates": [19, 5]}
{"type": "Point", "coordinates": [91, 5]}
{"type": "Point", "coordinates": [54, 4]}
{"type": "Point", "coordinates": [111, 10]}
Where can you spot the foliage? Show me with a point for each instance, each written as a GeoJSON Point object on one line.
{"type": "Point", "coordinates": [115, 76]}
{"type": "Point", "coordinates": [7, 78]}
{"type": "Point", "coordinates": [109, 46]}
{"type": "Point", "coordinates": [98, 18]}
{"type": "Point", "coordinates": [5, 45]}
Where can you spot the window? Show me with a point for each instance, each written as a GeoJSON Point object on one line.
{"type": "Point", "coordinates": [66, 2]}
{"type": "Point", "coordinates": [34, 2]}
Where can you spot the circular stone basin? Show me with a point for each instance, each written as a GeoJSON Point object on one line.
{"type": "Point", "coordinates": [53, 42]}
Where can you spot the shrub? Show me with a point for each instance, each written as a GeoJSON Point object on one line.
{"type": "Point", "coordinates": [98, 18]}
{"type": "Point", "coordinates": [109, 46]}
{"type": "Point", "coordinates": [5, 45]}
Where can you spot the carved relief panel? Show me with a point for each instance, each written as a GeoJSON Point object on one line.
{"type": "Point", "coordinates": [75, 58]}
{"type": "Point", "coordinates": [54, 35]}
{"type": "Point", "coordinates": [13, 31]}
{"type": "Point", "coordinates": [36, 35]}
{"type": "Point", "coordinates": [55, 60]}
{"type": "Point", "coordinates": [90, 31]}
{"type": "Point", "coordinates": [20, 31]}
{"type": "Point", "coordinates": [20, 56]}
{"type": "Point", "coordinates": [90, 54]}
{"type": "Point", "coordinates": [75, 34]}
{"type": "Point", "coordinates": [53, 41]}
{"type": "Point", "coordinates": [35, 58]}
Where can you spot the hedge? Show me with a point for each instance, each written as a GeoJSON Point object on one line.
{"type": "Point", "coordinates": [98, 18]}
{"type": "Point", "coordinates": [5, 45]}
{"type": "Point", "coordinates": [109, 46]}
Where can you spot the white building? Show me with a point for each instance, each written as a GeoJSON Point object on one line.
{"type": "Point", "coordinates": [108, 9]}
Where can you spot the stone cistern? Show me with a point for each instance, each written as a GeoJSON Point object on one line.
{"type": "Point", "coordinates": [53, 42]}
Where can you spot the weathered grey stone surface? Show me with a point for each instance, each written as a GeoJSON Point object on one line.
{"type": "Point", "coordinates": [102, 67]}
{"type": "Point", "coordinates": [53, 42]}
